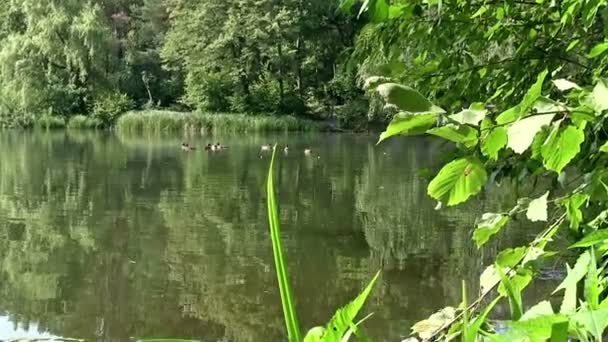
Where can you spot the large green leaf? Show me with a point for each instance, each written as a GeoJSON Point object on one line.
{"type": "Point", "coordinates": [472, 330]}
{"type": "Point", "coordinates": [464, 135]}
{"type": "Point", "coordinates": [343, 318]}
{"type": "Point", "coordinates": [537, 209]}
{"type": "Point", "coordinates": [406, 98]}
{"type": "Point", "coordinates": [287, 300]}
{"type": "Point", "coordinates": [561, 147]}
{"type": "Point", "coordinates": [565, 85]}
{"type": "Point", "coordinates": [458, 180]}
{"type": "Point", "coordinates": [493, 142]}
{"type": "Point", "coordinates": [536, 329]}
{"type": "Point", "coordinates": [409, 124]}
{"type": "Point", "coordinates": [522, 132]}
{"type": "Point", "coordinates": [489, 225]}
{"type": "Point", "coordinates": [569, 284]}
{"type": "Point", "coordinates": [592, 238]}
{"type": "Point", "coordinates": [512, 288]}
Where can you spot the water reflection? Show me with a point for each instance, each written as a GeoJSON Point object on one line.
{"type": "Point", "coordinates": [107, 238]}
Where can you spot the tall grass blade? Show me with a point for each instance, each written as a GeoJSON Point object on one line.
{"type": "Point", "coordinates": [291, 319]}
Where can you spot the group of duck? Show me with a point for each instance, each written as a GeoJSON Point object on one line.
{"type": "Point", "coordinates": [218, 147]}
{"type": "Point", "coordinates": [210, 147]}
{"type": "Point", "coordinates": [268, 147]}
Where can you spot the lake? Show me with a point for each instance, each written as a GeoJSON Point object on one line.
{"type": "Point", "coordinates": [108, 238]}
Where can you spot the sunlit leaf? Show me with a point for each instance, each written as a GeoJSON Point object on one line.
{"type": "Point", "coordinates": [458, 180]}
{"type": "Point", "coordinates": [471, 332]}
{"type": "Point", "coordinates": [537, 209]}
{"type": "Point", "coordinates": [569, 284]}
{"type": "Point", "coordinates": [541, 309]}
{"type": "Point", "coordinates": [512, 289]}
{"type": "Point", "coordinates": [488, 279]}
{"type": "Point", "coordinates": [599, 96]}
{"type": "Point", "coordinates": [409, 124]}
{"type": "Point", "coordinates": [593, 321]}
{"type": "Point", "coordinates": [459, 134]}
{"type": "Point", "coordinates": [426, 328]}
{"type": "Point", "coordinates": [537, 329]}
{"type": "Point", "coordinates": [521, 133]}
{"type": "Point", "coordinates": [604, 147]}
{"type": "Point", "coordinates": [471, 116]}
{"type": "Point", "coordinates": [489, 225]}
{"type": "Point", "coordinates": [561, 147]}
{"type": "Point", "coordinates": [592, 287]}
{"type": "Point", "coordinates": [509, 116]}
{"type": "Point", "coordinates": [564, 85]}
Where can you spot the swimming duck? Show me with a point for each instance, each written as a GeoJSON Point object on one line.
{"type": "Point", "coordinates": [307, 151]}
{"type": "Point", "coordinates": [286, 149]}
{"type": "Point", "coordinates": [266, 147]}
{"type": "Point", "coordinates": [219, 146]}
{"type": "Point", "coordinates": [208, 147]}
{"type": "Point", "coordinates": [187, 147]}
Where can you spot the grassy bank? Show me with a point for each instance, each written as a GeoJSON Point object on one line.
{"type": "Point", "coordinates": [157, 121]}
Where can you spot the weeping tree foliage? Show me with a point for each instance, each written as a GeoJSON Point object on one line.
{"type": "Point", "coordinates": [538, 67]}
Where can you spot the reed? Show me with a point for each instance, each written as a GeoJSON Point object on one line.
{"type": "Point", "coordinates": [158, 121]}
{"type": "Point", "coordinates": [84, 122]}
{"type": "Point", "coordinates": [49, 122]}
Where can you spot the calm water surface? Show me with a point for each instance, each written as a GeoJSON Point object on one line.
{"type": "Point", "coordinates": [108, 238]}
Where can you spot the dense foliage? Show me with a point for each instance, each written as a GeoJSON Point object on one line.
{"type": "Point", "coordinates": [101, 58]}
{"type": "Point", "coordinates": [528, 130]}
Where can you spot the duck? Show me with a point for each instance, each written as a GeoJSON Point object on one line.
{"type": "Point", "coordinates": [307, 151]}
{"type": "Point", "coordinates": [219, 146]}
{"type": "Point", "coordinates": [186, 147]}
{"type": "Point", "coordinates": [286, 149]}
{"type": "Point", "coordinates": [208, 147]}
{"type": "Point", "coordinates": [266, 147]}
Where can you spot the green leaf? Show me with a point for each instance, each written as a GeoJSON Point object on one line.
{"type": "Point", "coordinates": [346, 5]}
{"type": "Point", "coordinates": [287, 300]}
{"type": "Point", "coordinates": [534, 92]}
{"type": "Point", "coordinates": [344, 317]}
{"type": "Point", "coordinates": [573, 212]}
{"type": "Point", "coordinates": [378, 10]}
{"type": "Point", "coordinates": [564, 85]}
{"type": "Point", "coordinates": [458, 180]}
{"type": "Point", "coordinates": [482, 9]}
{"type": "Point", "coordinates": [591, 239]}
{"type": "Point", "coordinates": [604, 147]}
{"type": "Point", "coordinates": [513, 292]}
{"type": "Point", "coordinates": [459, 134]}
{"type": "Point", "coordinates": [541, 309]}
{"type": "Point", "coordinates": [537, 209]}
{"type": "Point", "coordinates": [539, 140]}
{"type": "Point", "coordinates": [569, 284]}
{"type": "Point", "coordinates": [494, 142]}
{"type": "Point", "coordinates": [471, 116]}
{"type": "Point", "coordinates": [470, 333]}
{"type": "Point", "coordinates": [509, 116]}
{"type": "Point", "coordinates": [489, 225]}
{"type": "Point", "coordinates": [406, 99]}
{"type": "Point", "coordinates": [521, 133]}
{"type": "Point", "coordinates": [409, 124]}
{"type": "Point", "coordinates": [561, 148]}
{"type": "Point", "coordinates": [598, 50]}
{"type": "Point", "coordinates": [593, 321]}
{"type": "Point", "coordinates": [572, 44]}
{"type": "Point", "coordinates": [592, 287]}
{"type": "Point", "coordinates": [511, 256]}
{"type": "Point", "coordinates": [559, 330]}
{"type": "Point", "coordinates": [536, 329]}
{"type": "Point", "coordinates": [599, 96]}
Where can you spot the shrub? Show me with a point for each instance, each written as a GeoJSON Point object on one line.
{"type": "Point", "coordinates": [109, 106]}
